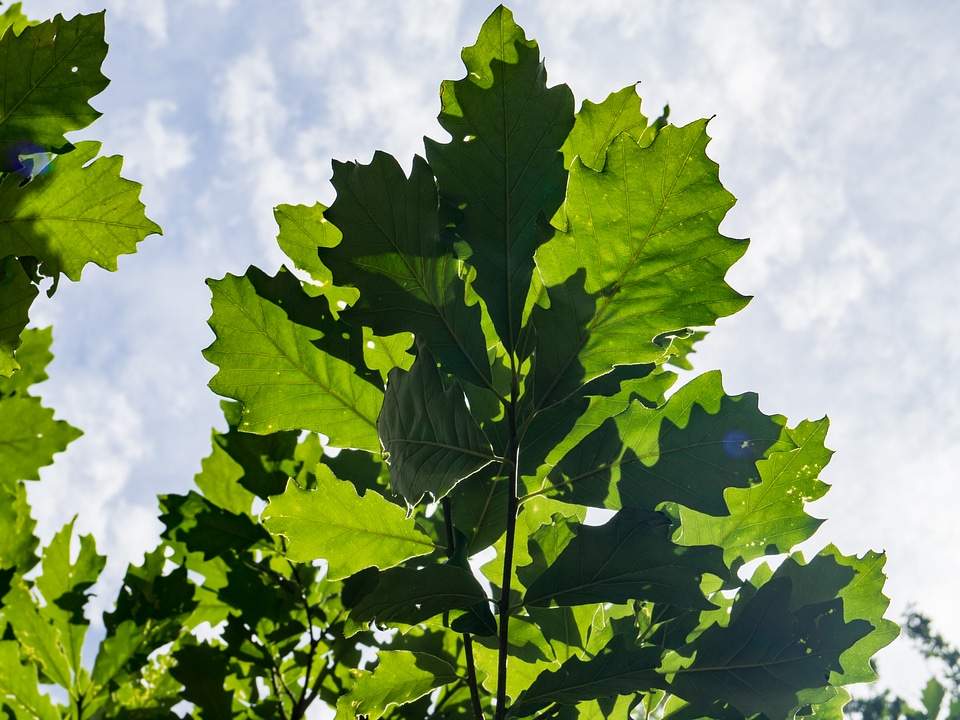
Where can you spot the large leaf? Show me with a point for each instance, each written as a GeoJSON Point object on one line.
{"type": "Point", "coordinates": [432, 440]}
{"type": "Point", "coordinates": [321, 523]}
{"type": "Point", "coordinates": [689, 451]}
{"type": "Point", "coordinates": [49, 72]}
{"type": "Point", "coordinates": [630, 557]}
{"type": "Point", "coordinates": [644, 245]}
{"type": "Point", "coordinates": [391, 251]}
{"type": "Point", "coordinates": [769, 653]}
{"type": "Point", "coordinates": [284, 356]}
{"type": "Point", "coordinates": [16, 295]}
{"type": "Point", "coordinates": [768, 518]}
{"type": "Point", "coordinates": [400, 677]}
{"type": "Point", "coordinates": [77, 212]}
{"type": "Point", "coordinates": [502, 165]}
{"type": "Point", "coordinates": [29, 438]}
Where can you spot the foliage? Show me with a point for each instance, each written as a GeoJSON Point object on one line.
{"type": "Point", "coordinates": [457, 479]}
{"type": "Point", "coordinates": [941, 695]}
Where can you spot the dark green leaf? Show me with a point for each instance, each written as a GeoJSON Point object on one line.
{"type": "Point", "coordinates": [203, 670]}
{"type": "Point", "coordinates": [630, 557]}
{"type": "Point", "coordinates": [767, 655]}
{"type": "Point", "coordinates": [206, 528]}
{"type": "Point", "coordinates": [432, 440]}
{"type": "Point", "coordinates": [49, 73]}
{"type": "Point", "coordinates": [689, 451]}
{"type": "Point", "coordinates": [292, 365]}
{"type": "Point", "coordinates": [409, 280]}
{"type": "Point", "coordinates": [502, 165]}
{"type": "Point", "coordinates": [321, 523]}
{"type": "Point", "coordinates": [619, 669]}
{"type": "Point", "coordinates": [77, 212]}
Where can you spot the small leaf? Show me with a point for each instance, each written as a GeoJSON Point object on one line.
{"type": "Point", "coordinates": [19, 685]}
{"type": "Point", "coordinates": [206, 528]}
{"type": "Point", "coordinates": [18, 544]}
{"type": "Point", "coordinates": [203, 670]}
{"type": "Point", "coordinates": [431, 438]}
{"type": "Point", "coordinates": [41, 642]}
{"type": "Point", "coordinates": [77, 212]}
{"type": "Point", "coordinates": [630, 557]}
{"type": "Point", "coordinates": [49, 72]}
{"type": "Point", "coordinates": [400, 677]}
{"type": "Point", "coordinates": [292, 365]}
{"type": "Point", "coordinates": [29, 438]}
{"type": "Point", "coordinates": [16, 296]}
{"type": "Point", "coordinates": [598, 124]}
{"type": "Point", "coordinates": [34, 355]}
{"type": "Point", "coordinates": [321, 523]}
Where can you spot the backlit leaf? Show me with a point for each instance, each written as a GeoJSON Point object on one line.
{"type": "Point", "coordinates": [16, 295]}
{"type": "Point", "coordinates": [502, 165]}
{"type": "Point", "coordinates": [432, 440]}
{"type": "Point", "coordinates": [76, 212]}
{"type": "Point", "coordinates": [321, 523]}
{"type": "Point", "coordinates": [282, 354]}
{"type": "Point", "coordinates": [29, 438]}
{"type": "Point", "coordinates": [18, 685]}
{"type": "Point", "coordinates": [49, 73]}
{"type": "Point", "coordinates": [598, 124]}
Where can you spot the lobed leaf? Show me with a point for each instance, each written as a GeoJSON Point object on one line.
{"type": "Point", "coordinates": [321, 523]}
{"type": "Point", "coordinates": [392, 253]}
{"type": "Point", "coordinates": [74, 213]}
{"type": "Point", "coordinates": [29, 438]}
{"type": "Point", "coordinates": [599, 124]}
{"type": "Point", "coordinates": [49, 72]}
{"type": "Point", "coordinates": [16, 295]}
{"type": "Point", "coordinates": [431, 438]}
{"type": "Point", "coordinates": [19, 685]}
{"type": "Point", "coordinates": [282, 354]}
{"type": "Point", "coordinates": [502, 167]}
{"type": "Point", "coordinates": [399, 678]}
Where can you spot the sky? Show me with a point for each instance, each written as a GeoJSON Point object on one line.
{"type": "Point", "coordinates": [833, 125]}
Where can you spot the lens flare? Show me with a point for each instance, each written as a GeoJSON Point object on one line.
{"type": "Point", "coordinates": [737, 444]}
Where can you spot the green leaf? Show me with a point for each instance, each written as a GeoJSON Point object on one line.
{"type": "Point", "coordinates": [391, 251]}
{"type": "Point", "coordinates": [502, 165]}
{"type": "Point", "coordinates": [12, 17]}
{"type": "Point", "coordinates": [321, 523]}
{"type": "Point", "coordinates": [643, 248]}
{"type": "Point", "coordinates": [618, 669]}
{"type": "Point", "coordinates": [598, 124]}
{"type": "Point", "coordinates": [75, 213]}
{"type": "Point", "coordinates": [41, 641]}
{"type": "Point", "coordinates": [385, 353]}
{"type": "Point", "coordinates": [49, 73]}
{"type": "Point", "coordinates": [220, 479]}
{"type": "Point", "coordinates": [400, 677]}
{"type": "Point", "coordinates": [283, 355]}
{"type": "Point", "coordinates": [18, 544]}
{"type": "Point", "coordinates": [16, 295]}
{"type": "Point", "coordinates": [431, 438]}
{"type": "Point", "coordinates": [206, 528]}
{"type": "Point", "coordinates": [410, 596]}
{"type": "Point", "coordinates": [34, 355]}
{"type": "Point", "coordinates": [203, 670]}
{"type": "Point", "coordinates": [767, 655]}
{"type": "Point", "coordinates": [29, 438]}
{"type": "Point", "coordinates": [689, 451]}
{"type": "Point", "coordinates": [18, 685]}
{"type": "Point", "coordinates": [64, 585]}
{"type": "Point", "coordinates": [769, 517]}
{"type": "Point", "coordinates": [303, 230]}
{"type": "Point", "coordinates": [630, 557]}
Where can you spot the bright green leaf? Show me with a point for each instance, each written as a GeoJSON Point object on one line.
{"type": "Point", "coordinates": [321, 523]}
{"type": "Point", "coordinates": [18, 544]}
{"type": "Point", "coordinates": [75, 213]}
{"type": "Point", "coordinates": [283, 355]}
{"type": "Point", "coordinates": [598, 124]}
{"type": "Point", "coordinates": [18, 685]}
{"type": "Point", "coordinates": [400, 677]}
{"type": "Point", "coordinates": [29, 438]}
{"type": "Point", "coordinates": [432, 440]}
{"type": "Point", "coordinates": [33, 355]}
{"type": "Point", "coordinates": [40, 641]}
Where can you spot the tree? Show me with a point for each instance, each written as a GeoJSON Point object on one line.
{"type": "Point", "coordinates": [457, 479]}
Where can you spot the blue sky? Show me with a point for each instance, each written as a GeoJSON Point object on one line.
{"type": "Point", "coordinates": [834, 124]}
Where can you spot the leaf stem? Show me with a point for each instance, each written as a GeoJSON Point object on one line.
{"type": "Point", "coordinates": [513, 507]}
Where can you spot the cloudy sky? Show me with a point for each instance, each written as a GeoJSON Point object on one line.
{"type": "Point", "coordinates": [835, 126]}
